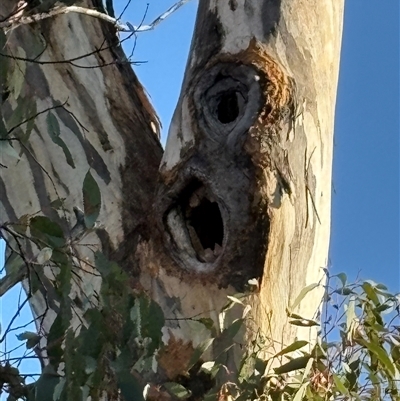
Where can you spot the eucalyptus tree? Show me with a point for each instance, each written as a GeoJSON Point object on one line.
{"type": "Point", "coordinates": [238, 203]}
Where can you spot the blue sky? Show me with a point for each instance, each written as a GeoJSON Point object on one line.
{"type": "Point", "coordinates": [365, 204]}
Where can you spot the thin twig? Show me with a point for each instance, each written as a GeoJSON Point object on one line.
{"type": "Point", "coordinates": [12, 320]}
{"type": "Point", "coordinates": [13, 23]}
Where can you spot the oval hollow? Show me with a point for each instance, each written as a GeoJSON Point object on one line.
{"type": "Point", "coordinates": [228, 107]}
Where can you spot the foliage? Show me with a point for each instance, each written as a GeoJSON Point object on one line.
{"type": "Point", "coordinates": [115, 346]}
{"type": "Point", "coordinates": [356, 356]}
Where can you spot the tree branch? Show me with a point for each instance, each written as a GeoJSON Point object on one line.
{"type": "Point", "coordinates": [9, 280]}
{"type": "Point", "coordinates": [19, 20]}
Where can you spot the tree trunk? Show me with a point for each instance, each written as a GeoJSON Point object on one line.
{"type": "Point", "coordinates": [246, 175]}
{"type": "Point", "coordinates": [241, 200]}
{"type": "Point", "coordinates": [106, 122]}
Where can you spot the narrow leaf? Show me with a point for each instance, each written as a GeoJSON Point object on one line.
{"type": "Point", "coordinates": [231, 331]}
{"type": "Point", "coordinates": [235, 300]}
{"type": "Point", "coordinates": [53, 128]}
{"type": "Point", "coordinates": [371, 293]}
{"type": "Point", "coordinates": [199, 351]}
{"type": "Point", "coordinates": [302, 294]}
{"type": "Point", "coordinates": [294, 364]}
{"type": "Point", "coordinates": [350, 314]}
{"type": "Point", "coordinates": [381, 354]}
{"type": "Point", "coordinates": [7, 149]}
{"type": "Point", "coordinates": [91, 200]}
{"type": "Point", "coordinates": [19, 114]}
{"type": "Point", "coordinates": [178, 390]}
{"type": "Point", "coordinates": [3, 128]}
{"type": "Point", "coordinates": [304, 322]}
{"type": "Point", "coordinates": [300, 393]}
{"type": "Point", "coordinates": [53, 125]}
{"type": "Point", "coordinates": [47, 230]}
{"type": "Point", "coordinates": [58, 389]}
{"type": "Point", "coordinates": [17, 78]}
{"type": "Point", "coordinates": [13, 264]}
{"type": "Point", "coordinates": [339, 385]}
{"type": "Point", "coordinates": [3, 40]}
{"type": "Point", "coordinates": [292, 347]}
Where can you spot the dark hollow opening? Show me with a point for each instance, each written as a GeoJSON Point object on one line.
{"type": "Point", "coordinates": [202, 220]}
{"type": "Point", "coordinates": [228, 107]}
{"type": "Point", "coordinates": [207, 222]}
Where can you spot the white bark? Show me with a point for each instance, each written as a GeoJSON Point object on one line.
{"type": "Point", "coordinates": [106, 123]}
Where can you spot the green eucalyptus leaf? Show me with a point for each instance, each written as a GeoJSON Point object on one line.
{"type": "Point", "coordinates": [294, 364]}
{"type": "Point", "coordinates": [343, 278]}
{"type": "Point", "coordinates": [381, 354]}
{"type": "Point", "coordinates": [302, 294]}
{"type": "Point", "coordinates": [58, 389]}
{"type": "Point", "coordinates": [17, 78]}
{"type": "Point", "coordinates": [53, 128]}
{"type": "Point", "coordinates": [3, 40]}
{"type": "Point", "coordinates": [3, 129]}
{"type": "Point", "coordinates": [32, 342]}
{"type": "Point", "coordinates": [177, 390]}
{"type": "Point", "coordinates": [53, 125]}
{"type": "Point", "coordinates": [231, 331]}
{"type": "Point", "coordinates": [371, 293]}
{"type": "Point", "coordinates": [339, 385]}
{"type": "Point", "coordinates": [6, 148]}
{"type": "Point", "coordinates": [199, 351]}
{"type": "Point", "coordinates": [304, 322]}
{"type": "Point", "coordinates": [47, 231]}
{"type": "Point", "coordinates": [207, 322]}
{"type": "Point", "coordinates": [130, 389]}
{"type": "Point", "coordinates": [344, 291]}
{"type": "Point", "coordinates": [45, 387]}
{"type": "Point", "coordinates": [18, 116]}
{"type": "Point", "coordinates": [13, 264]}
{"type": "Point", "coordinates": [149, 318]}
{"type": "Point", "coordinates": [103, 265]}
{"type": "Point", "coordinates": [292, 347]}
{"type": "Point", "coordinates": [260, 365]}
{"type": "Point", "coordinates": [91, 200]}
{"type": "Point", "coordinates": [55, 338]}
{"type": "Point", "coordinates": [300, 392]}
